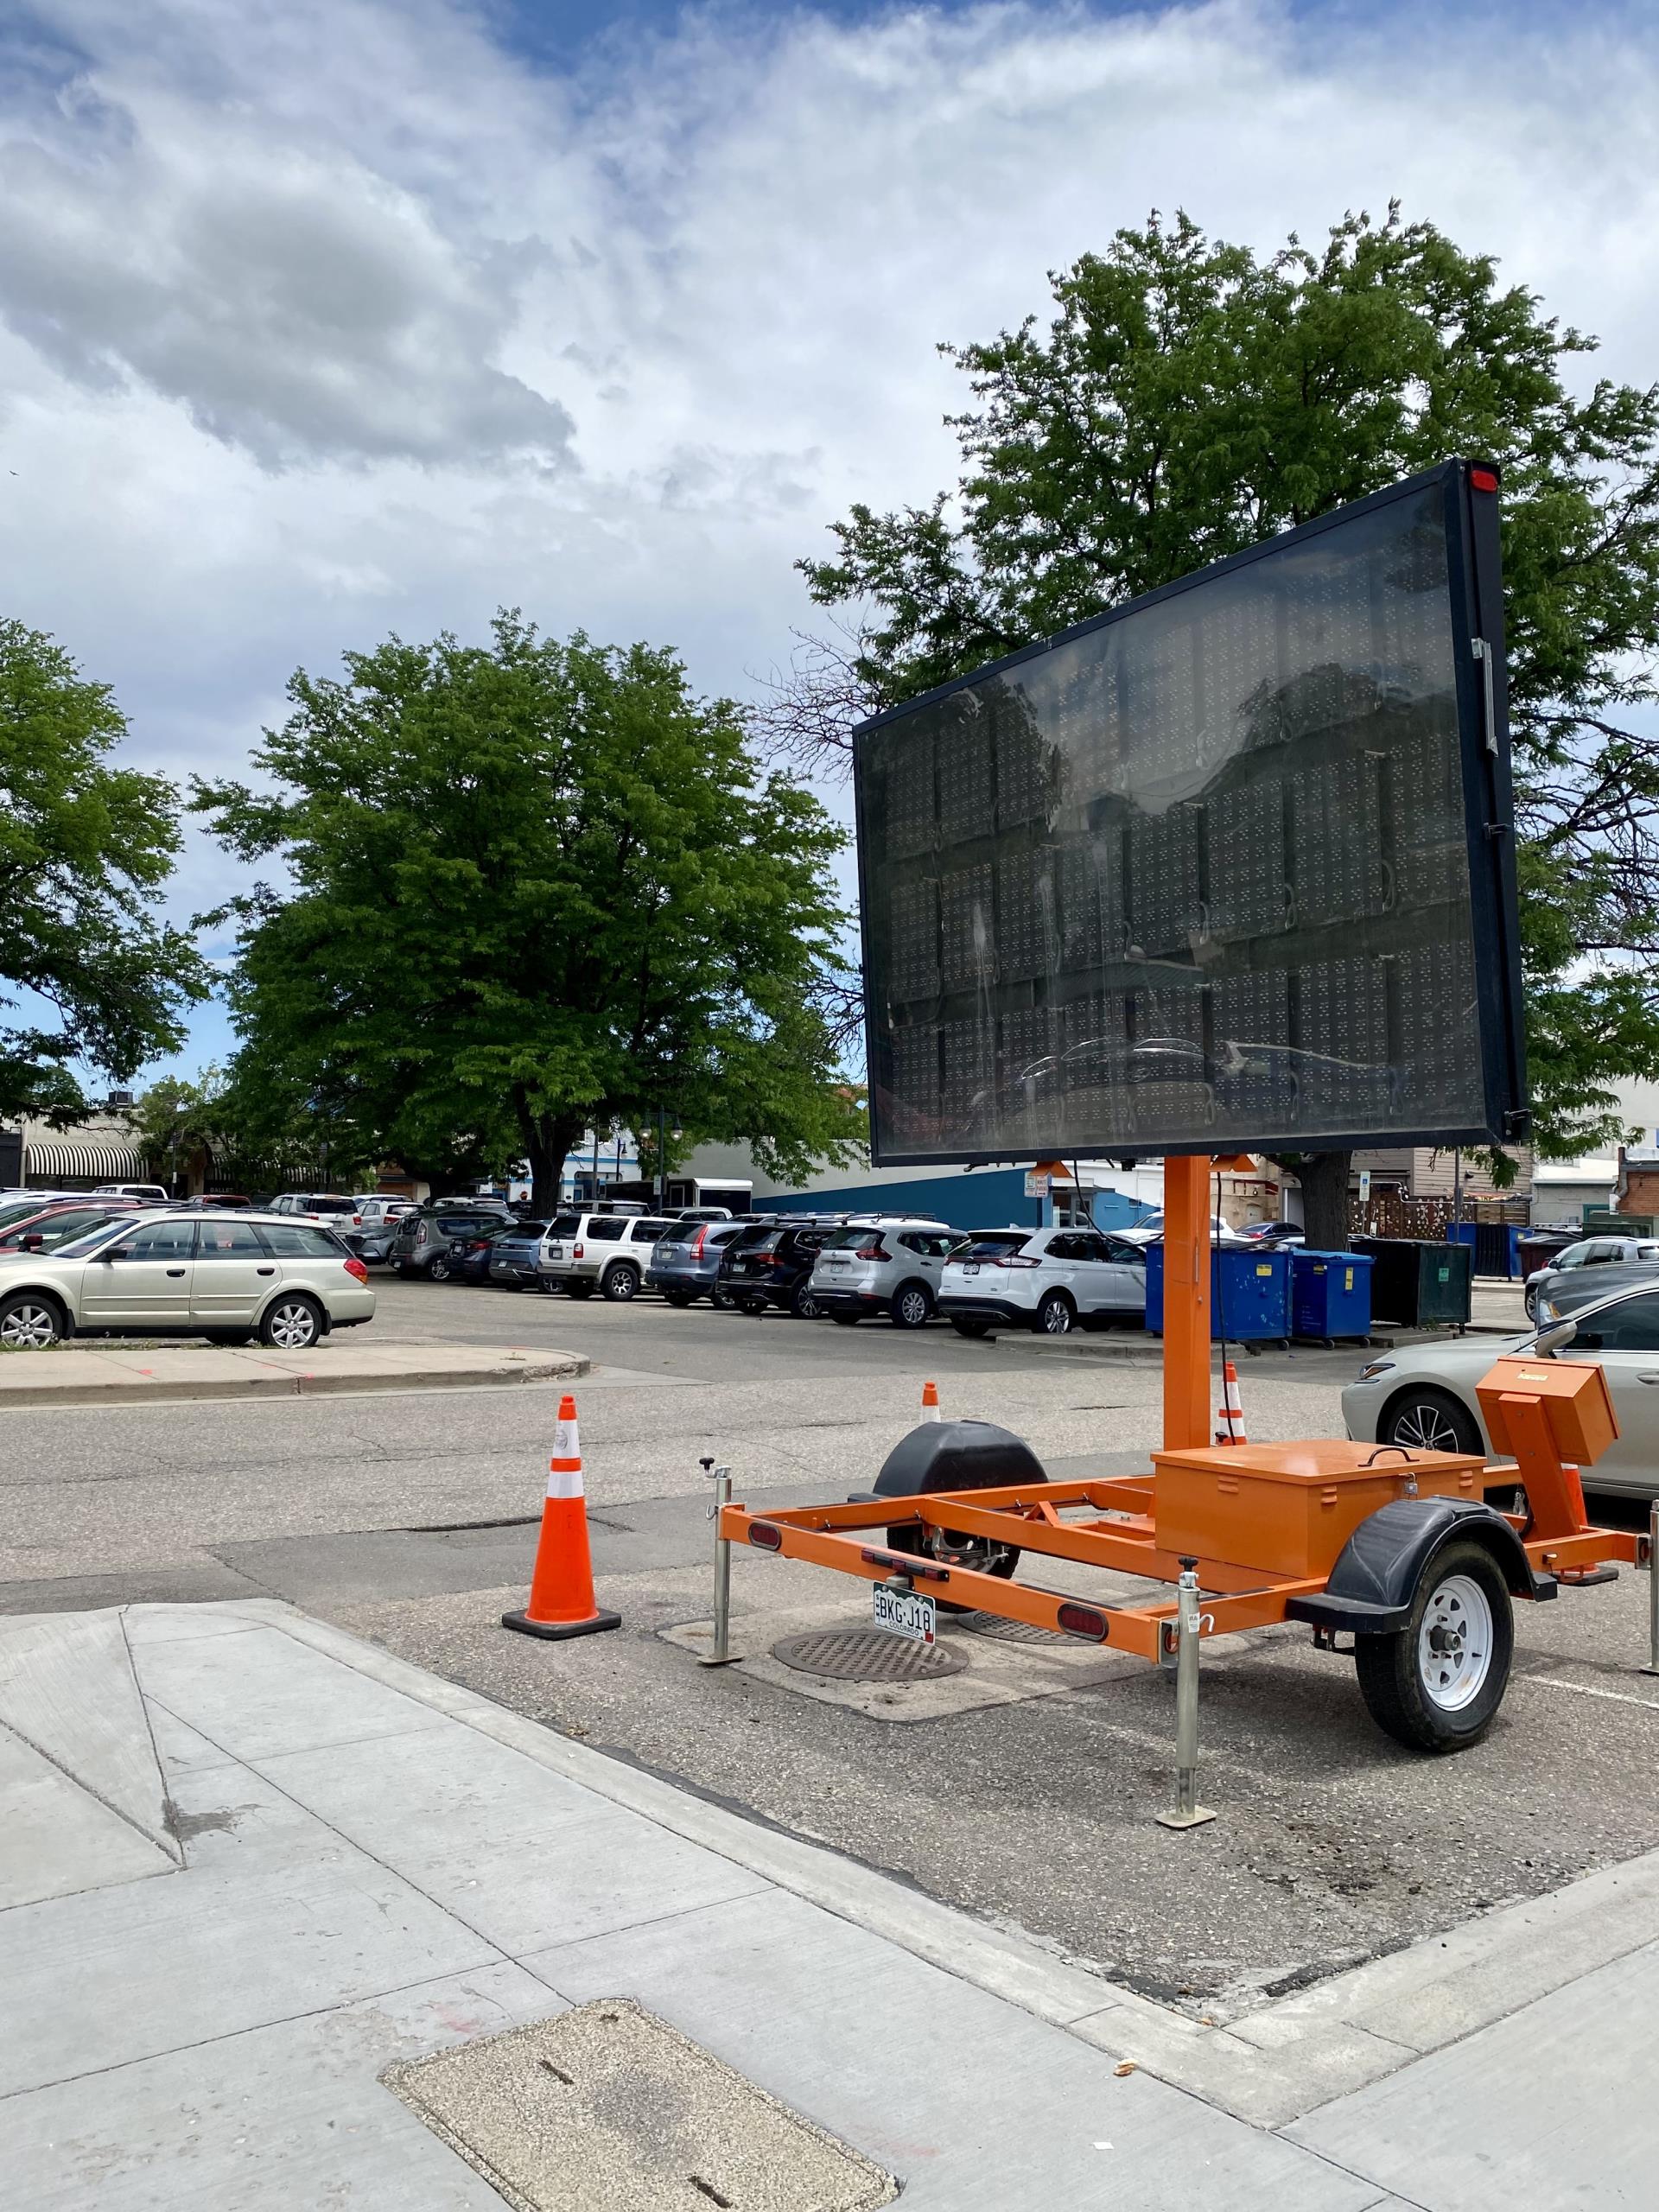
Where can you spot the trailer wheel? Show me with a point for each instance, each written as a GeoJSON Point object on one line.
{"type": "Point", "coordinates": [1437, 1685]}
{"type": "Point", "coordinates": [952, 1550]}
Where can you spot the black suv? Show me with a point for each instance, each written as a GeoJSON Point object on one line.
{"type": "Point", "coordinates": [424, 1240]}
{"type": "Point", "coordinates": [772, 1263]}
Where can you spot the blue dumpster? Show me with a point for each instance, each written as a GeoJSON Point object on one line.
{"type": "Point", "coordinates": [1495, 1245]}
{"type": "Point", "coordinates": [1331, 1295]}
{"type": "Point", "coordinates": [1249, 1293]}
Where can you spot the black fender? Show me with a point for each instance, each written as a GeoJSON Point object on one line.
{"type": "Point", "coordinates": [955, 1455]}
{"type": "Point", "coordinates": [1375, 1580]}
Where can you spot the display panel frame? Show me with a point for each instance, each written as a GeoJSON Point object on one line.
{"type": "Point", "coordinates": [1466, 501]}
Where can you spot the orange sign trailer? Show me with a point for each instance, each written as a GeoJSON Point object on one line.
{"type": "Point", "coordinates": [1397, 1548]}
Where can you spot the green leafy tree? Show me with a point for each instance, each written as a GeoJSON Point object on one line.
{"type": "Point", "coordinates": [1191, 398]}
{"type": "Point", "coordinates": [87, 973]}
{"type": "Point", "coordinates": [535, 886]}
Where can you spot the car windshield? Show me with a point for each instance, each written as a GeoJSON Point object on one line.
{"type": "Point", "coordinates": [849, 1239]}
{"type": "Point", "coordinates": [91, 1242]}
{"type": "Point", "coordinates": [990, 1245]}
{"type": "Point", "coordinates": [330, 1205]}
{"type": "Point", "coordinates": [681, 1232]}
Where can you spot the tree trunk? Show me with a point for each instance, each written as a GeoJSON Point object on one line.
{"type": "Point", "coordinates": [1324, 1176]}
{"type": "Point", "coordinates": [549, 1139]}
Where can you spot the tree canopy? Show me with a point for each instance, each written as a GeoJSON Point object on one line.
{"type": "Point", "coordinates": [88, 975]}
{"type": "Point", "coordinates": [1189, 398]}
{"type": "Point", "coordinates": [535, 886]}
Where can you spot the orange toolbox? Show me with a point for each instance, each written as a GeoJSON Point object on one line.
{"type": "Point", "coordinates": [1288, 1509]}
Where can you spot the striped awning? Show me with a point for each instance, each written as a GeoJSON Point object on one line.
{"type": "Point", "coordinates": [80, 1163]}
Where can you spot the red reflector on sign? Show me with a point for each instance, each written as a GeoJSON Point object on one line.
{"type": "Point", "coordinates": [1484, 480]}
{"type": "Point", "coordinates": [769, 1539]}
{"type": "Point", "coordinates": [1084, 1620]}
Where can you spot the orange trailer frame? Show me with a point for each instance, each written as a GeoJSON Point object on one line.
{"type": "Point", "coordinates": [1112, 1525]}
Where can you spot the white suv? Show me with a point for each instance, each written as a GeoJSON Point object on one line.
{"type": "Point", "coordinates": [607, 1252]}
{"type": "Point", "coordinates": [883, 1264]}
{"type": "Point", "coordinates": [1051, 1280]}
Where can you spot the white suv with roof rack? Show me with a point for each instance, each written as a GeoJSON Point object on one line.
{"type": "Point", "coordinates": [1049, 1279]}
{"type": "Point", "coordinates": [883, 1263]}
{"type": "Point", "coordinates": [608, 1251]}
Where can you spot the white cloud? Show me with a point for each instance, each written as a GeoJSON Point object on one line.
{"type": "Point", "coordinates": [325, 319]}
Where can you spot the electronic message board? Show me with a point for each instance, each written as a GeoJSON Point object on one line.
{"type": "Point", "coordinates": [1229, 868]}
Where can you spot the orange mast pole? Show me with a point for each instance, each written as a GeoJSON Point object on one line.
{"type": "Point", "coordinates": [1187, 1302]}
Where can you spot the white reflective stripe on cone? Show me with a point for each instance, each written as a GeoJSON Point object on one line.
{"type": "Point", "coordinates": [565, 1482]}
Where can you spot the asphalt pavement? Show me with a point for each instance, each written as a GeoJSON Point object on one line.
{"type": "Point", "coordinates": [1023, 1789]}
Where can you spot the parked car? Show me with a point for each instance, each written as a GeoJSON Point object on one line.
{"type": "Point", "coordinates": [149, 1194]}
{"type": "Point", "coordinates": [1424, 1394]}
{"type": "Point", "coordinates": [1273, 1232]}
{"type": "Point", "coordinates": [685, 1259]}
{"type": "Point", "coordinates": [48, 1226]}
{"type": "Point", "coordinates": [583, 1252]}
{"type": "Point", "coordinates": [1049, 1279]}
{"type": "Point", "coordinates": [512, 1256]}
{"type": "Point", "coordinates": [1588, 1252]}
{"type": "Point", "coordinates": [470, 1255]}
{"type": "Point", "coordinates": [330, 1208]}
{"type": "Point", "coordinates": [773, 1266]}
{"type": "Point", "coordinates": [225, 1276]}
{"type": "Point", "coordinates": [422, 1241]}
{"type": "Point", "coordinates": [1149, 1230]}
{"type": "Point", "coordinates": [884, 1265]}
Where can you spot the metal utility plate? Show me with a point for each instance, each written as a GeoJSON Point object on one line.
{"type": "Point", "coordinates": [866, 1655]}
{"type": "Point", "coordinates": [607, 2108]}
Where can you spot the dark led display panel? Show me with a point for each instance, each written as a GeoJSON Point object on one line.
{"type": "Point", "coordinates": [1230, 867]}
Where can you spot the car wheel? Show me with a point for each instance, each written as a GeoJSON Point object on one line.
{"type": "Point", "coordinates": [292, 1322]}
{"type": "Point", "coordinates": [802, 1303]}
{"type": "Point", "coordinates": [1426, 1419]}
{"type": "Point", "coordinates": [912, 1305]}
{"type": "Point", "coordinates": [680, 1297]}
{"type": "Point", "coordinates": [971, 1324]}
{"type": "Point", "coordinates": [549, 1288]}
{"type": "Point", "coordinates": [1055, 1316]}
{"type": "Point", "coordinates": [721, 1299]}
{"type": "Point", "coordinates": [30, 1322]}
{"type": "Point", "coordinates": [621, 1283]}
{"type": "Point", "coordinates": [439, 1270]}
{"type": "Point", "coordinates": [1437, 1686]}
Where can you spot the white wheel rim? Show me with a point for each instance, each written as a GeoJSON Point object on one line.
{"type": "Point", "coordinates": [914, 1307]}
{"type": "Point", "coordinates": [1424, 1427]}
{"type": "Point", "coordinates": [292, 1327]}
{"type": "Point", "coordinates": [28, 1328]}
{"type": "Point", "coordinates": [1455, 1645]}
{"type": "Point", "coordinates": [1056, 1320]}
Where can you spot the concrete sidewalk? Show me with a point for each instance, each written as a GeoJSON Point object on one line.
{"type": "Point", "coordinates": [249, 1863]}
{"type": "Point", "coordinates": [113, 1373]}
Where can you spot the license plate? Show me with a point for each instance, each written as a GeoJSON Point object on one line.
{"type": "Point", "coordinates": [903, 1612]}
{"type": "Point", "coordinates": [834, 1259]}
{"type": "Point", "coordinates": [970, 1267]}
{"type": "Point", "coordinates": [553, 1251]}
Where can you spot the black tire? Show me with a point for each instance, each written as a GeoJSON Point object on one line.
{"type": "Point", "coordinates": [621, 1283]}
{"type": "Point", "coordinates": [802, 1303]}
{"type": "Point", "coordinates": [971, 1324]}
{"type": "Point", "coordinates": [951, 1548]}
{"type": "Point", "coordinates": [911, 1307]}
{"type": "Point", "coordinates": [680, 1297]}
{"type": "Point", "coordinates": [549, 1288]}
{"type": "Point", "coordinates": [1395, 1674]}
{"type": "Point", "coordinates": [845, 1320]}
{"type": "Point", "coordinates": [1427, 1420]}
{"type": "Point", "coordinates": [30, 1321]}
{"type": "Point", "coordinates": [441, 1269]}
{"type": "Point", "coordinates": [281, 1327]}
{"type": "Point", "coordinates": [721, 1299]}
{"type": "Point", "coordinates": [1055, 1315]}
{"type": "Point", "coordinates": [578, 1290]}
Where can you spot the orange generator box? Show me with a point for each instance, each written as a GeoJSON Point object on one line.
{"type": "Point", "coordinates": [1582, 1423]}
{"type": "Point", "coordinates": [1288, 1509]}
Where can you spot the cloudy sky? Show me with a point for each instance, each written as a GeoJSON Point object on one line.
{"type": "Point", "coordinates": [323, 318]}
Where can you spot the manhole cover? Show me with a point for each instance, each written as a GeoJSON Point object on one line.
{"type": "Point", "coordinates": [607, 2108]}
{"type": "Point", "coordinates": [866, 1655]}
{"type": "Point", "coordinates": [1006, 1631]}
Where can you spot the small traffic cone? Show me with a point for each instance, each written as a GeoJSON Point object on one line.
{"type": "Point", "coordinates": [1232, 1416]}
{"type": "Point", "coordinates": [930, 1402]}
{"type": "Point", "coordinates": [562, 1586]}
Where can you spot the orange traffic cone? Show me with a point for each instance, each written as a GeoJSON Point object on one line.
{"type": "Point", "coordinates": [1232, 1416]}
{"type": "Point", "coordinates": [930, 1402]}
{"type": "Point", "coordinates": [562, 1586]}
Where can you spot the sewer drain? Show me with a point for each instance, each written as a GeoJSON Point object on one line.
{"type": "Point", "coordinates": [1006, 1631]}
{"type": "Point", "coordinates": [866, 1655]}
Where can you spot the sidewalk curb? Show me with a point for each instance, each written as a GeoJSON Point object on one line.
{"type": "Point", "coordinates": [544, 1367]}
{"type": "Point", "coordinates": [1271, 2068]}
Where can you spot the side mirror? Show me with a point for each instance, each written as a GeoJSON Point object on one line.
{"type": "Point", "coordinates": [1557, 1334]}
{"type": "Point", "coordinates": [33, 1242]}
{"type": "Point", "coordinates": [116, 1252]}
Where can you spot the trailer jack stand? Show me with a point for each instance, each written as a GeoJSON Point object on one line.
{"type": "Point", "coordinates": [1188, 1813]}
{"type": "Point", "coordinates": [723, 1655]}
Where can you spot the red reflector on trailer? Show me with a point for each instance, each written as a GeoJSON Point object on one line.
{"type": "Point", "coordinates": [768, 1538]}
{"type": "Point", "coordinates": [1084, 1620]}
{"type": "Point", "coordinates": [1484, 480]}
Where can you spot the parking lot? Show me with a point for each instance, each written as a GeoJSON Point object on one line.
{"type": "Point", "coordinates": [1022, 1786]}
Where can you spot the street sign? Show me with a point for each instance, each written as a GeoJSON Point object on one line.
{"type": "Point", "coordinates": [1365, 1186]}
{"type": "Point", "coordinates": [1228, 868]}
{"type": "Point", "coordinates": [1036, 1187]}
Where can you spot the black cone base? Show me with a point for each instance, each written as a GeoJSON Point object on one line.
{"type": "Point", "coordinates": [557, 1631]}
